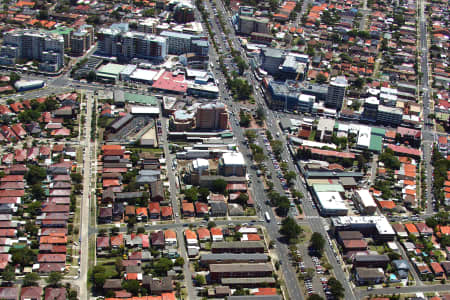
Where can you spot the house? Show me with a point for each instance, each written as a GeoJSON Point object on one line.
{"type": "Point", "coordinates": [201, 209]}
{"type": "Point", "coordinates": [55, 294]}
{"type": "Point", "coordinates": [170, 237]}
{"type": "Point", "coordinates": [9, 293]}
{"type": "Point", "coordinates": [118, 211]}
{"type": "Point", "coordinates": [400, 230]}
{"type": "Point", "coordinates": [203, 234]}
{"type": "Point", "coordinates": [157, 286]}
{"type": "Point", "coordinates": [166, 212]}
{"type": "Point", "coordinates": [105, 215]}
{"type": "Point", "coordinates": [130, 211]}
{"type": "Point", "coordinates": [235, 209]}
{"type": "Point", "coordinates": [157, 239]}
{"type": "Point", "coordinates": [31, 293]}
{"type": "Point", "coordinates": [141, 214]}
{"type": "Point", "coordinates": [423, 229]}
{"type": "Point", "coordinates": [112, 285]}
{"type": "Point", "coordinates": [217, 235]}
{"type": "Point", "coordinates": [438, 271]}
{"type": "Point", "coordinates": [402, 267]}
{"type": "Point", "coordinates": [156, 191]}
{"type": "Point", "coordinates": [154, 210]}
{"type": "Point", "coordinates": [446, 266]}
{"type": "Point", "coordinates": [422, 268]}
{"type": "Point", "coordinates": [411, 229]}
{"type": "Point", "coordinates": [103, 243]}
{"type": "Point", "coordinates": [117, 241]}
{"type": "Point", "coordinates": [188, 209]}
{"type": "Point", "coordinates": [191, 237]}
{"type": "Point", "coordinates": [368, 276]}
{"type": "Point", "coordinates": [218, 209]}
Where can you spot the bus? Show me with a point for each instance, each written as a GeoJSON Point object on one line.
{"type": "Point", "coordinates": [266, 214]}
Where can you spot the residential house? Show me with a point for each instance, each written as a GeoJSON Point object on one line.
{"type": "Point", "coordinates": [166, 212]}
{"type": "Point", "coordinates": [217, 235]}
{"type": "Point", "coordinates": [31, 293]}
{"type": "Point", "coordinates": [55, 293]}
{"type": "Point", "coordinates": [157, 239]}
{"type": "Point", "coordinates": [368, 276]}
{"type": "Point", "coordinates": [188, 209]}
{"type": "Point", "coordinates": [103, 243]}
{"type": "Point", "coordinates": [154, 210]}
{"type": "Point", "coordinates": [191, 237]}
{"type": "Point", "coordinates": [402, 268]}
{"type": "Point", "coordinates": [170, 237]}
{"type": "Point", "coordinates": [237, 247]}
{"type": "Point", "coordinates": [203, 234]}
{"type": "Point", "coordinates": [201, 209]}
{"type": "Point", "coordinates": [218, 209]}
{"type": "Point", "coordinates": [437, 269]}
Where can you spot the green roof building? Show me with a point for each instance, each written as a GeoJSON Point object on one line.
{"type": "Point", "coordinates": [66, 32]}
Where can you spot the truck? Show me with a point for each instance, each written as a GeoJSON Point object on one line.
{"type": "Point", "coordinates": [266, 215]}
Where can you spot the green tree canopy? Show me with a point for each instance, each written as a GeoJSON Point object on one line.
{"type": "Point", "coordinates": [290, 229]}
{"type": "Point", "coordinates": [317, 242]}
{"type": "Point", "coordinates": [219, 186]}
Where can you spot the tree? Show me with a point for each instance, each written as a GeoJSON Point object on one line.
{"type": "Point", "coordinates": [211, 224]}
{"type": "Point", "coordinates": [22, 256]}
{"type": "Point", "coordinates": [219, 186]}
{"type": "Point", "coordinates": [31, 228]}
{"type": "Point", "coordinates": [389, 159]}
{"type": "Point", "coordinates": [54, 279]}
{"type": "Point", "coordinates": [203, 193]}
{"type": "Point", "coordinates": [317, 242]}
{"type": "Point", "coordinates": [242, 199]}
{"type": "Point", "coordinates": [131, 286]}
{"type": "Point", "coordinates": [179, 262]}
{"type": "Point", "coordinates": [200, 279]}
{"type": "Point", "coordinates": [99, 277]}
{"type": "Point", "coordinates": [260, 113]}
{"type": "Point", "coordinates": [191, 194]}
{"type": "Point", "coordinates": [290, 229]}
{"type": "Point", "coordinates": [31, 279]}
{"type": "Point", "coordinates": [336, 288]}
{"type": "Point", "coordinates": [250, 135]}
{"type": "Point", "coordinates": [290, 177]}
{"type": "Point", "coordinates": [162, 266]}
{"type": "Point", "coordinates": [35, 174]}
{"type": "Point", "coordinates": [37, 192]}
{"type": "Point", "coordinates": [283, 206]}
{"type": "Point", "coordinates": [76, 177]}
{"type": "Point", "coordinates": [314, 297]}
{"type": "Point", "coordinates": [13, 77]}
{"type": "Point", "coordinates": [8, 274]}
{"type": "Point", "coordinates": [244, 119]}
{"type": "Point", "coordinates": [321, 78]}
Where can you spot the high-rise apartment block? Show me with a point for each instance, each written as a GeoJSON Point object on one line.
{"type": "Point", "coordinates": [212, 116]}
{"type": "Point", "coordinates": [30, 44]}
{"type": "Point", "coordinates": [118, 41]}
{"type": "Point", "coordinates": [82, 39]}
{"type": "Point", "coordinates": [336, 92]}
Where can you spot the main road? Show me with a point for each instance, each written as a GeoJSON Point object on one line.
{"type": "Point", "coordinates": [317, 223]}
{"type": "Point", "coordinates": [85, 202]}
{"type": "Point", "coordinates": [428, 132]}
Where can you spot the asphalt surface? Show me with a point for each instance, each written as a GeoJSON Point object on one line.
{"type": "Point", "coordinates": [85, 204]}
{"type": "Point", "coordinates": [428, 132]}
{"type": "Point", "coordinates": [176, 210]}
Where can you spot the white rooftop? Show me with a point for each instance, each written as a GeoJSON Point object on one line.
{"type": "Point", "coordinates": [233, 158]}
{"type": "Point", "coordinates": [366, 198]}
{"type": "Point", "coordinates": [331, 201]}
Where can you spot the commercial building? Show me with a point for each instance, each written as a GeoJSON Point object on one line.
{"type": "Point", "coordinates": [389, 115]}
{"type": "Point", "coordinates": [365, 201]}
{"type": "Point", "coordinates": [377, 227]}
{"type": "Point", "coordinates": [370, 109]}
{"type": "Point", "coordinates": [248, 25]}
{"type": "Point", "coordinates": [232, 164]}
{"type": "Point", "coordinates": [30, 44]}
{"type": "Point", "coordinates": [212, 116]}
{"type": "Point", "coordinates": [329, 200]}
{"type": "Point", "coordinates": [336, 92]}
{"type": "Point", "coordinates": [271, 59]}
